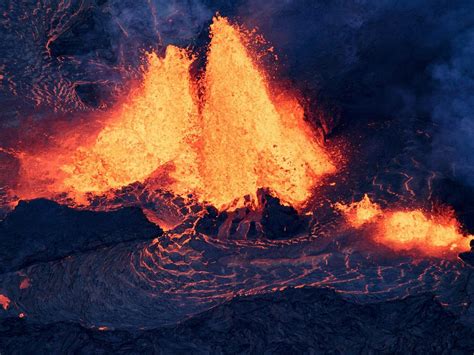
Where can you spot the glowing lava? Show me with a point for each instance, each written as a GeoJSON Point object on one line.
{"type": "Point", "coordinates": [250, 140]}
{"type": "Point", "coordinates": [432, 235]}
{"type": "Point", "coordinates": [437, 234]}
{"type": "Point", "coordinates": [222, 146]}
{"type": "Point", "coordinates": [158, 125]}
{"type": "Point", "coordinates": [359, 213]}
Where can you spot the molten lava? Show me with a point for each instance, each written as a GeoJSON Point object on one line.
{"type": "Point", "coordinates": [157, 125]}
{"type": "Point", "coordinates": [250, 140]}
{"type": "Point", "coordinates": [235, 139]}
{"type": "Point", "coordinates": [437, 234]}
{"type": "Point", "coordinates": [432, 235]}
{"type": "Point", "coordinates": [359, 213]}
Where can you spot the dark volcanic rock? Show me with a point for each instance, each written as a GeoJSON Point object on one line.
{"type": "Point", "coordinates": [305, 320]}
{"type": "Point", "coordinates": [468, 256]}
{"type": "Point", "coordinates": [279, 221]}
{"type": "Point", "coordinates": [269, 219]}
{"type": "Point", "coordinates": [42, 230]}
{"type": "Point", "coordinates": [211, 221]}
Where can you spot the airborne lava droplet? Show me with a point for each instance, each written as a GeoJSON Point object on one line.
{"type": "Point", "coordinates": [25, 283]}
{"type": "Point", "coordinates": [4, 301]}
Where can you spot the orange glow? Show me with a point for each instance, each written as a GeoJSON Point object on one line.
{"type": "Point", "coordinates": [432, 235]}
{"type": "Point", "coordinates": [25, 283]}
{"type": "Point", "coordinates": [4, 301]}
{"type": "Point", "coordinates": [428, 234]}
{"type": "Point", "coordinates": [359, 213]}
{"type": "Point", "coordinates": [236, 137]}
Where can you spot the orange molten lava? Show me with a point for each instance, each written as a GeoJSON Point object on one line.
{"type": "Point", "coordinates": [235, 139]}
{"type": "Point", "coordinates": [429, 234]}
{"type": "Point", "coordinates": [250, 140]}
{"type": "Point", "coordinates": [435, 235]}
{"type": "Point", "coordinates": [359, 213]}
{"type": "Point", "coordinates": [156, 126]}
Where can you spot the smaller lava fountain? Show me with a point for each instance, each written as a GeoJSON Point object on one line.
{"type": "Point", "coordinates": [431, 234]}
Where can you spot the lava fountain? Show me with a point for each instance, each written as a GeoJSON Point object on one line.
{"type": "Point", "coordinates": [252, 140]}
{"type": "Point", "coordinates": [156, 126]}
{"type": "Point", "coordinates": [238, 136]}
{"type": "Point", "coordinates": [435, 234]}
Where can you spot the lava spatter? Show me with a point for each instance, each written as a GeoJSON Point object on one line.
{"type": "Point", "coordinates": [155, 127]}
{"type": "Point", "coordinates": [359, 213]}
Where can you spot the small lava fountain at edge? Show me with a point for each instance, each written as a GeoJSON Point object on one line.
{"type": "Point", "coordinates": [429, 234]}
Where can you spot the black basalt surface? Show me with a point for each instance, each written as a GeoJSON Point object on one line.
{"type": "Point", "coordinates": [306, 320]}
{"type": "Point", "coordinates": [280, 221]}
{"type": "Point", "coordinates": [42, 230]}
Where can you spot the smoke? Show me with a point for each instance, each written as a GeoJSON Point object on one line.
{"type": "Point", "coordinates": [402, 60]}
{"type": "Point", "coordinates": [367, 55]}
{"type": "Point", "coordinates": [453, 109]}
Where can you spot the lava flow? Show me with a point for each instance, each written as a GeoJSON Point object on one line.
{"type": "Point", "coordinates": [430, 234]}
{"type": "Point", "coordinates": [238, 137]}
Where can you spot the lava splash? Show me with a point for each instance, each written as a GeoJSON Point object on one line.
{"type": "Point", "coordinates": [224, 144]}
